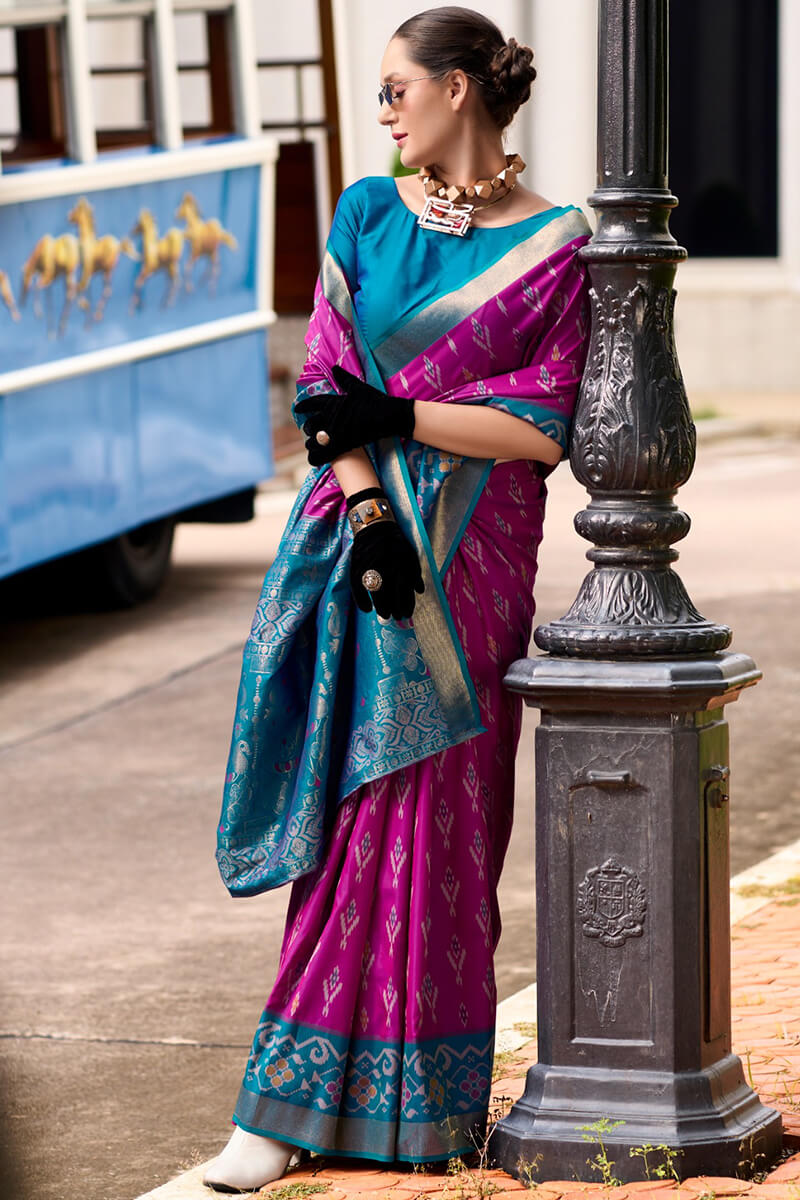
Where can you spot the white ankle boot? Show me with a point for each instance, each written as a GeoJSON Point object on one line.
{"type": "Point", "coordinates": [248, 1162]}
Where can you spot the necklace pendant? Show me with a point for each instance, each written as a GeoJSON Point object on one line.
{"type": "Point", "coordinates": [445, 216]}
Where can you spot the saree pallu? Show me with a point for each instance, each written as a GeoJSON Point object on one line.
{"type": "Point", "coordinates": [372, 761]}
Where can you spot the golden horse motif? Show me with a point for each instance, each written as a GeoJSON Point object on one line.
{"type": "Point", "coordinates": [8, 295]}
{"type": "Point", "coordinates": [51, 258]}
{"type": "Point", "coordinates": [205, 239]}
{"type": "Point", "coordinates": [98, 255]}
{"type": "Point", "coordinates": [158, 254]}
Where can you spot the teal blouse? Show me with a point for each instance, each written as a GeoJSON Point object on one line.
{"type": "Point", "coordinates": [402, 268]}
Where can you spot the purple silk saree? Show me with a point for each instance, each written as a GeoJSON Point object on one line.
{"type": "Point", "coordinates": [373, 762]}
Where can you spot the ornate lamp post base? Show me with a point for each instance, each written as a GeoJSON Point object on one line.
{"type": "Point", "coordinates": [711, 1120]}
{"type": "Point", "coordinates": [660, 617]}
{"type": "Point", "coordinates": [633, 925]}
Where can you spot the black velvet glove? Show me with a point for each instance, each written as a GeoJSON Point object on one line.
{"type": "Point", "coordinates": [382, 546]}
{"type": "Point", "coordinates": [360, 416]}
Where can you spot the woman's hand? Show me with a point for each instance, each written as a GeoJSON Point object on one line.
{"type": "Point", "coordinates": [382, 554]}
{"type": "Point", "coordinates": [360, 416]}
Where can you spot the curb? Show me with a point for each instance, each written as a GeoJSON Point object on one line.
{"type": "Point", "coordinates": [750, 890]}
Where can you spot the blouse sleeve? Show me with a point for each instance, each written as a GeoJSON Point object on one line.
{"type": "Point", "coordinates": [342, 242]}
{"type": "Point", "coordinates": [329, 337]}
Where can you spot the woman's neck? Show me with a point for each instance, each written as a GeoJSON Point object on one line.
{"type": "Point", "coordinates": [479, 157]}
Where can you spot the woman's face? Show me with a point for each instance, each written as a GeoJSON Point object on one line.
{"type": "Point", "coordinates": [421, 118]}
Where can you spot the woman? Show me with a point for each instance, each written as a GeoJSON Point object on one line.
{"type": "Point", "coordinates": [373, 751]}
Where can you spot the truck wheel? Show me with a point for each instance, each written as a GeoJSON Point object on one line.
{"type": "Point", "coordinates": [132, 567]}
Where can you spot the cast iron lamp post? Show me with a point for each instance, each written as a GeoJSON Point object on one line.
{"type": "Point", "coordinates": [633, 917]}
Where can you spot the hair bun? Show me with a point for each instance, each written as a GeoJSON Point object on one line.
{"type": "Point", "coordinates": [511, 73]}
{"type": "Point", "coordinates": [451, 38]}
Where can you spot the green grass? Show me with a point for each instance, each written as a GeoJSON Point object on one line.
{"type": "Point", "coordinates": [707, 413]}
{"type": "Point", "coordinates": [787, 887]}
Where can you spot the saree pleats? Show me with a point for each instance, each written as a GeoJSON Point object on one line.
{"type": "Point", "coordinates": [377, 1037]}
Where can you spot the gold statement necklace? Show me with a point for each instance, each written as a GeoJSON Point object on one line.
{"type": "Point", "coordinates": [447, 208]}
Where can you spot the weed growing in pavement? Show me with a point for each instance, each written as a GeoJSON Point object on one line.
{"type": "Point", "coordinates": [465, 1183]}
{"type": "Point", "coordinates": [601, 1162]}
{"type": "Point", "coordinates": [194, 1160]}
{"type": "Point", "coordinates": [782, 1079]}
{"type": "Point", "coordinates": [747, 1166]}
{"type": "Point", "coordinates": [787, 887]}
{"type": "Point", "coordinates": [790, 1093]}
{"type": "Point", "coordinates": [662, 1170]}
{"type": "Point", "coordinates": [501, 1062]}
{"type": "Point", "coordinates": [527, 1169]}
{"type": "Point", "coordinates": [526, 1028]}
{"type": "Point", "coordinates": [297, 1191]}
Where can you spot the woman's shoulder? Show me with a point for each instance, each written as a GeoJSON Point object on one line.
{"type": "Point", "coordinates": [575, 218]}
{"type": "Point", "coordinates": [360, 207]}
{"type": "Point", "coordinates": [360, 199]}
{"type": "Point", "coordinates": [356, 195]}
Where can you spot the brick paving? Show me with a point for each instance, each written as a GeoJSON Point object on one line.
{"type": "Point", "coordinates": [766, 1035]}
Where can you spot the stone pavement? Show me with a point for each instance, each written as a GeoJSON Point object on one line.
{"type": "Point", "coordinates": [765, 914]}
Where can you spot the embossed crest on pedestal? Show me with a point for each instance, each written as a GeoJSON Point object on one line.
{"type": "Point", "coordinates": [611, 903]}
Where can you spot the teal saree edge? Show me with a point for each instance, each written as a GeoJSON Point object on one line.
{"type": "Point", "coordinates": [371, 1156]}
{"type": "Point", "coordinates": [335, 1093]}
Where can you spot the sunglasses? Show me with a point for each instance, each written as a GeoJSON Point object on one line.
{"type": "Point", "coordinates": [386, 94]}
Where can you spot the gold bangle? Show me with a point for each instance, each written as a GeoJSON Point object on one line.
{"type": "Point", "coordinates": [366, 512]}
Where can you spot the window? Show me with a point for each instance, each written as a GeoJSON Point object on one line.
{"type": "Point", "coordinates": [203, 41]}
{"type": "Point", "coordinates": [724, 126]}
{"type": "Point", "coordinates": [297, 98]}
{"type": "Point", "coordinates": [33, 122]}
{"type": "Point", "coordinates": [120, 69]}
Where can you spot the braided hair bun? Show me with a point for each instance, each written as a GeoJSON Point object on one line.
{"type": "Point", "coordinates": [454, 38]}
{"type": "Point", "coordinates": [509, 77]}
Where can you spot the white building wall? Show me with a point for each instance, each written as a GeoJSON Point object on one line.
{"type": "Point", "coordinates": [737, 321]}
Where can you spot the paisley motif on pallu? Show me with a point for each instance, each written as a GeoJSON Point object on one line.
{"type": "Point", "coordinates": [332, 698]}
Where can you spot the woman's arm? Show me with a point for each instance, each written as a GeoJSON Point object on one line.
{"type": "Point", "coordinates": [354, 472]}
{"type": "Point", "coordinates": [481, 432]}
{"type": "Point", "coordinates": [457, 429]}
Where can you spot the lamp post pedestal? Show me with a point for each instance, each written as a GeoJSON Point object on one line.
{"type": "Point", "coordinates": [633, 924]}
{"type": "Point", "coordinates": [633, 907]}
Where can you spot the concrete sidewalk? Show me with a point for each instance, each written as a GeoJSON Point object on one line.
{"type": "Point", "coordinates": [765, 915]}
{"type": "Point", "coordinates": [720, 416]}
